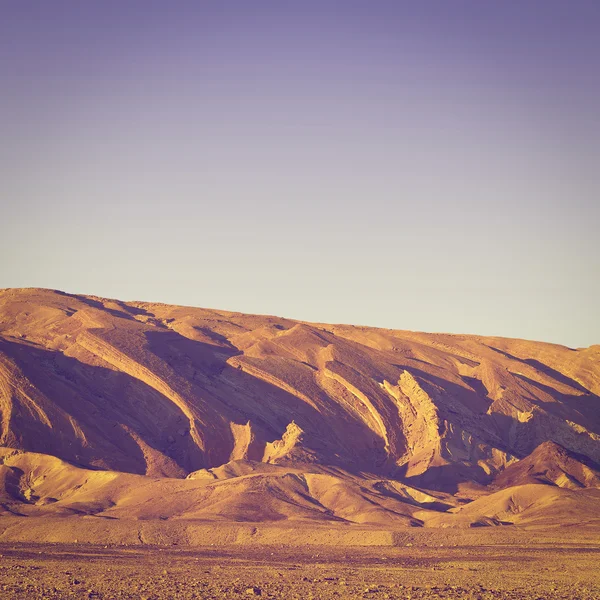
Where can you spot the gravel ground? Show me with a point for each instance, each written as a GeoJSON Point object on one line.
{"type": "Point", "coordinates": [482, 572]}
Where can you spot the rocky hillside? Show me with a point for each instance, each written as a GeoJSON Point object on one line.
{"type": "Point", "coordinates": [169, 391]}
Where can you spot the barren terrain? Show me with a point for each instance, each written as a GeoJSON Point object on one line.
{"type": "Point", "coordinates": [352, 461]}
{"type": "Point", "coordinates": [524, 569]}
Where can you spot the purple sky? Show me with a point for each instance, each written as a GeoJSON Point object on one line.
{"type": "Point", "coordinates": [416, 165]}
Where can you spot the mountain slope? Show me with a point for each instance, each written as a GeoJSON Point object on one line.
{"type": "Point", "coordinates": [167, 391]}
{"type": "Point", "coordinates": [552, 464]}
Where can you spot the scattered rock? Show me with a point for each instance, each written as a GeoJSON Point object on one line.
{"type": "Point", "coordinates": [254, 591]}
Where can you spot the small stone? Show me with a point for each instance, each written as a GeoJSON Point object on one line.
{"type": "Point", "coordinates": [256, 591]}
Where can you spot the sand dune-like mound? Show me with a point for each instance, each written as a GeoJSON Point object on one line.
{"type": "Point", "coordinates": [532, 504]}
{"type": "Point", "coordinates": [40, 485]}
{"type": "Point", "coordinates": [135, 410]}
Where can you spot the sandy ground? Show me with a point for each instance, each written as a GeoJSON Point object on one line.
{"type": "Point", "coordinates": [536, 571]}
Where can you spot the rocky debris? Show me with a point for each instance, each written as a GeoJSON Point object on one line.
{"type": "Point", "coordinates": [466, 572]}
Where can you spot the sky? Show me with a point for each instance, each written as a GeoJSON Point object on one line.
{"type": "Point", "coordinates": [430, 166]}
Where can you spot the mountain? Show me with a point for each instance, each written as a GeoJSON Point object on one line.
{"type": "Point", "coordinates": [552, 464]}
{"type": "Point", "coordinates": [248, 417]}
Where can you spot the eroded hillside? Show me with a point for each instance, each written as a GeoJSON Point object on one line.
{"type": "Point", "coordinates": [168, 391]}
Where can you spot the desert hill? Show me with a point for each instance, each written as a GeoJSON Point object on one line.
{"type": "Point", "coordinates": [148, 411]}
{"type": "Point", "coordinates": [550, 463]}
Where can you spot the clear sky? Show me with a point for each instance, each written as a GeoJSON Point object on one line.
{"type": "Point", "coordinates": [425, 165]}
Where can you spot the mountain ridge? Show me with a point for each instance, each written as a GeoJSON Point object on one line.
{"type": "Point", "coordinates": [167, 391]}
